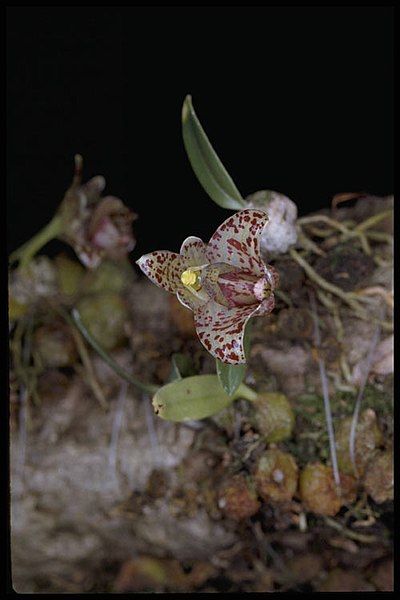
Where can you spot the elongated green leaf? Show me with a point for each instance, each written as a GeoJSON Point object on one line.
{"type": "Point", "coordinates": [205, 163]}
{"type": "Point", "coordinates": [195, 397]}
{"type": "Point", "coordinates": [231, 376]}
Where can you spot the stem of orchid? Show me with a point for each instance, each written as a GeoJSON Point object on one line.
{"type": "Point", "coordinates": [245, 392]}
{"type": "Point", "coordinates": [144, 387]}
{"type": "Point", "coordinates": [83, 353]}
{"type": "Point", "coordinates": [28, 250]}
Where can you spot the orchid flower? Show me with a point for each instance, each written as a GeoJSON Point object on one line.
{"type": "Point", "coordinates": [95, 226]}
{"type": "Point", "coordinates": [224, 282]}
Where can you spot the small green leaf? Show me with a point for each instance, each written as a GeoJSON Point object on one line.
{"type": "Point", "coordinates": [231, 376]}
{"type": "Point", "coordinates": [181, 366]}
{"type": "Point", "coordinates": [205, 163]}
{"type": "Point", "coordinates": [195, 397]}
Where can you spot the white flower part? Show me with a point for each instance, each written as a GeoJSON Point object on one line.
{"type": "Point", "coordinates": [280, 233]}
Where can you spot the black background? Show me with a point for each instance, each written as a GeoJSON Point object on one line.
{"type": "Point", "coordinates": [297, 100]}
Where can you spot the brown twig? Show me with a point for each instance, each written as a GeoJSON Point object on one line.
{"type": "Point", "coordinates": [353, 535]}
{"type": "Point", "coordinates": [345, 197]}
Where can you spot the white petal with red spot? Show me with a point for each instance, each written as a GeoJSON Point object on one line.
{"type": "Point", "coordinates": [195, 249]}
{"type": "Point", "coordinates": [221, 330]}
{"type": "Point", "coordinates": [164, 268]}
{"type": "Point", "coordinates": [237, 241]}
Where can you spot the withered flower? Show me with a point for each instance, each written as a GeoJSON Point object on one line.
{"type": "Point", "coordinates": [95, 226]}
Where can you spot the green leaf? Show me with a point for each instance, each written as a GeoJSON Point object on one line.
{"type": "Point", "coordinates": [205, 163]}
{"type": "Point", "coordinates": [231, 376]}
{"type": "Point", "coordinates": [195, 397]}
{"type": "Point", "coordinates": [181, 366]}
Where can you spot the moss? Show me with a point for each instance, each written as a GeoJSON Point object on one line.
{"type": "Point", "coordinates": [380, 400]}
{"type": "Point", "coordinates": [342, 403]}
{"type": "Point", "coordinates": [310, 436]}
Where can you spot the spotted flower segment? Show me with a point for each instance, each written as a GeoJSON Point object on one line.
{"type": "Point", "coordinates": [224, 282]}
